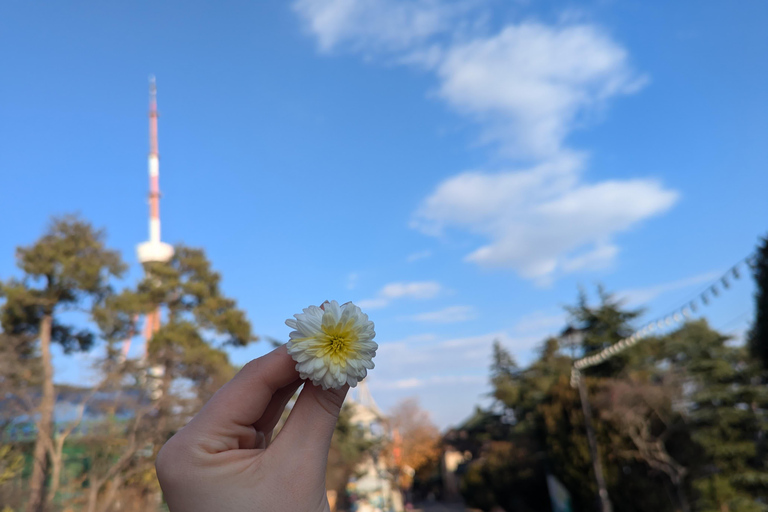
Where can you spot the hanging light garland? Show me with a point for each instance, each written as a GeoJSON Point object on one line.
{"type": "Point", "coordinates": [675, 317]}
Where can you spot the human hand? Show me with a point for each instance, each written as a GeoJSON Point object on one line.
{"type": "Point", "coordinates": [223, 461]}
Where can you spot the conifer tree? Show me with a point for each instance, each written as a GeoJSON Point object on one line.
{"type": "Point", "coordinates": [727, 419]}
{"type": "Point", "coordinates": [68, 268]}
{"type": "Point", "coordinates": [603, 326]}
{"type": "Point", "coordinates": [199, 322]}
{"type": "Point", "coordinates": [758, 336]}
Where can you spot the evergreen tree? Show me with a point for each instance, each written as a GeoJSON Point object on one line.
{"type": "Point", "coordinates": [119, 466]}
{"type": "Point", "coordinates": [509, 469]}
{"type": "Point", "coordinates": [200, 321]}
{"type": "Point", "coordinates": [520, 391]}
{"type": "Point", "coordinates": [727, 419]}
{"type": "Point", "coordinates": [758, 336]}
{"type": "Point", "coordinates": [69, 268]}
{"type": "Point", "coordinates": [603, 326]}
{"type": "Point", "coordinates": [504, 371]}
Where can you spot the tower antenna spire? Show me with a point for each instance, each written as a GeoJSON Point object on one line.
{"type": "Point", "coordinates": [153, 250]}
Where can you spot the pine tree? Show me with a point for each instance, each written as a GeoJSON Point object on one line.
{"type": "Point", "coordinates": [504, 370]}
{"type": "Point", "coordinates": [509, 468]}
{"type": "Point", "coordinates": [727, 419]}
{"type": "Point", "coordinates": [115, 446]}
{"type": "Point", "coordinates": [602, 327]}
{"type": "Point", "coordinates": [200, 321]}
{"type": "Point", "coordinates": [68, 268]}
{"type": "Point", "coordinates": [758, 336]}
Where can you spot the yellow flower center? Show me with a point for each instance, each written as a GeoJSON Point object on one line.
{"type": "Point", "coordinates": [338, 342]}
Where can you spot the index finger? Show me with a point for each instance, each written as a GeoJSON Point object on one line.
{"type": "Point", "coordinates": [242, 400]}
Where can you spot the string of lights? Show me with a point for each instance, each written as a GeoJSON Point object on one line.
{"type": "Point", "coordinates": [675, 317]}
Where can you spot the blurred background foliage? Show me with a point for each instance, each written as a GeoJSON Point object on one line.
{"type": "Point", "coordinates": [680, 419]}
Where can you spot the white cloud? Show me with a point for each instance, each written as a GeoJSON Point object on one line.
{"type": "Point", "coordinates": [599, 256]}
{"type": "Point", "coordinates": [529, 85]}
{"type": "Point", "coordinates": [378, 25]}
{"type": "Point", "coordinates": [405, 358]}
{"type": "Point", "coordinates": [637, 296]}
{"type": "Point", "coordinates": [415, 339]}
{"type": "Point", "coordinates": [539, 321]}
{"type": "Point", "coordinates": [448, 315]}
{"type": "Point", "coordinates": [416, 256]}
{"type": "Point", "coordinates": [423, 364]}
{"type": "Point", "coordinates": [413, 290]}
{"type": "Point", "coordinates": [531, 82]}
{"type": "Point", "coordinates": [409, 365]}
{"type": "Point", "coordinates": [440, 380]}
{"type": "Point", "coordinates": [543, 220]}
{"type": "Point", "coordinates": [410, 383]}
{"type": "Point", "coordinates": [377, 303]}
{"type": "Point", "coordinates": [352, 279]}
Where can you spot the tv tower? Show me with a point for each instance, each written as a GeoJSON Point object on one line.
{"type": "Point", "coordinates": [153, 250]}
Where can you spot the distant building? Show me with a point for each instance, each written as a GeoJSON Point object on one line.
{"type": "Point", "coordinates": [374, 487]}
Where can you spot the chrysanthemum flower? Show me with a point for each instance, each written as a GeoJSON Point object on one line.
{"type": "Point", "coordinates": [332, 345]}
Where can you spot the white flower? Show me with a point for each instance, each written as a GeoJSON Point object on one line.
{"type": "Point", "coordinates": [332, 345]}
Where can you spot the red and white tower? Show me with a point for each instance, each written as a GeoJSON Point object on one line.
{"type": "Point", "coordinates": [153, 250]}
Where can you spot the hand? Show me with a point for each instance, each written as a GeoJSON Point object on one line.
{"type": "Point", "coordinates": [223, 461]}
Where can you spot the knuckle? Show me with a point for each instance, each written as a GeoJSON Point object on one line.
{"type": "Point", "coordinates": [252, 367]}
{"type": "Point", "coordinates": [167, 461]}
{"type": "Point", "coordinates": [163, 465]}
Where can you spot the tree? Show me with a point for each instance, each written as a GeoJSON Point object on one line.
{"type": "Point", "coordinates": [518, 392]}
{"type": "Point", "coordinates": [758, 335]}
{"type": "Point", "coordinates": [727, 408]}
{"type": "Point", "coordinates": [115, 445]}
{"type": "Point", "coordinates": [603, 326]}
{"type": "Point", "coordinates": [509, 475]}
{"type": "Point", "coordinates": [11, 463]}
{"type": "Point", "coordinates": [509, 449]}
{"type": "Point", "coordinates": [68, 268]}
{"type": "Point", "coordinates": [645, 412]}
{"type": "Point", "coordinates": [188, 349]}
{"type": "Point", "coordinates": [504, 373]}
{"type": "Point", "coordinates": [417, 439]}
{"type": "Point", "coordinates": [547, 417]}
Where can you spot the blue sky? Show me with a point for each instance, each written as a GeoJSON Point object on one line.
{"type": "Point", "coordinates": [458, 168]}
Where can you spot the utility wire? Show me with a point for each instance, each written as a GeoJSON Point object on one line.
{"type": "Point", "coordinates": [674, 317]}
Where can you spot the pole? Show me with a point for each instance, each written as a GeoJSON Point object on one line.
{"type": "Point", "coordinates": [605, 501]}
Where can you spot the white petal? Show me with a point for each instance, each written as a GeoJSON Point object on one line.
{"type": "Point", "coordinates": [308, 344]}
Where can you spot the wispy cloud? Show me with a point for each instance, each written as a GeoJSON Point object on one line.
{"type": "Point", "coordinates": [416, 256]}
{"type": "Point", "coordinates": [437, 380]}
{"type": "Point", "coordinates": [352, 279]}
{"type": "Point", "coordinates": [448, 315]}
{"type": "Point", "coordinates": [638, 296]}
{"type": "Point", "coordinates": [376, 303]}
{"type": "Point", "coordinates": [530, 83]}
{"type": "Point", "coordinates": [539, 321]}
{"type": "Point", "coordinates": [528, 86]}
{"type": "Point", "coordinates": [411, 290]}
{"type": "Point", "coordinates": [424, 364]}
{"type": "Point", "coordinates": [542, 221]}
{"type": "Point", "coordinates": [407, 358]}
{"type": "Point", "coordinates": [415, 339]}
{"type": "Point", "coordinates": [375, 26]}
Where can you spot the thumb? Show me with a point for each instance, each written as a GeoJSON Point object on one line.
{"type": "Point", "coordinates": [310, 425]}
